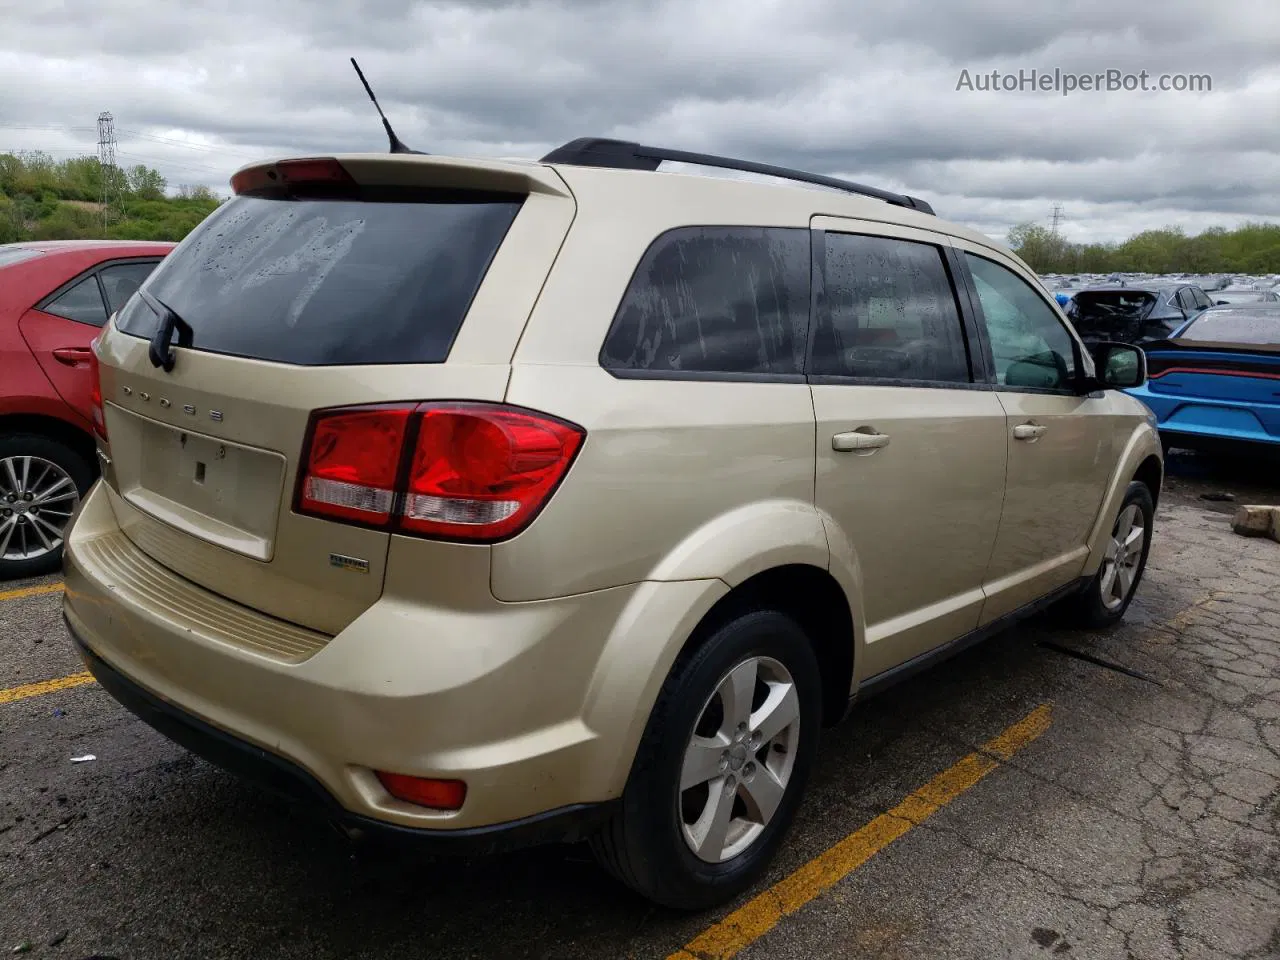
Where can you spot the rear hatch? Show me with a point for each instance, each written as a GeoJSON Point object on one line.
{"type": "Point", "coordinates": [325, 283]}
{"type": "Point", "coordinates": [1111, 314]}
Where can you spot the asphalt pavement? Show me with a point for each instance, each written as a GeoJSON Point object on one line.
{"type": "Point", "coordinates": [1019, 801]}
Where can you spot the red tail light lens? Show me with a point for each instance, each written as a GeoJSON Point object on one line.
{"type": "Point", "coordinates": [472, 471]}
{"type": "Point", "coordinates": [314, 176]}
{"type": "Point", "coordinates": [96, 412]}
{"type": "Point", "coordinates": [352, 462]}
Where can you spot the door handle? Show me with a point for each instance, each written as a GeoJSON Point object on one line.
{"type": "Point", "coordinates": [72, 356]}
{"type": "Point", "coordinates": [858, 440]}
{"type": "Point", "coordinates": [1028, 431]}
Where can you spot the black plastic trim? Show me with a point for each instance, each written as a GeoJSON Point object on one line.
{"type": "Point", "coordinates": [625, 155]}
{"type": "Point", "coordinates": [714, 376]}
{"type": "Point", "coordinates": [832, 380]}
{"type": "Point", "coordinates": [894, 675]}
{"type": "Point", "coordinates": [287, 779]}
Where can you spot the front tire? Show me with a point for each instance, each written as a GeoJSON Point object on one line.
{"type": "Point", "coordinates": [41, 483]}
{"type": "Point", "coordinates": [1104, 601]}
{"type": "Point", "coordinates": [721, 767]}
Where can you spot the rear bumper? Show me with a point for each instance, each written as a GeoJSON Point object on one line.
{"type": "Point", "coordinates": [1207, 419]}
{"type": "Point", "coordinates": [291, 781]}
{"type": "Point", "coordinates": [537, 706]}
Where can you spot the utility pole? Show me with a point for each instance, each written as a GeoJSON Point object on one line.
{"type": "Point", "coordinates": [107, 163]}
{"type": "Point", "coordinates": [1056, 219]}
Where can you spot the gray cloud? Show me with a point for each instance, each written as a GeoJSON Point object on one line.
{"type": "Point", "coordinates": [867, 91]}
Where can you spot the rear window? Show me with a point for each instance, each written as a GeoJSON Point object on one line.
{"type": "Point", "coordinates": [1235, 326]}
{"type": "Point", "coordinates": [1110, 311]}
{"type": "Point", "coordinates": [329, 282]}
{"type": "Point", "coordinates": [11, 255]}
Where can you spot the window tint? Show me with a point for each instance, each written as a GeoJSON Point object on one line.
{"type": "Point", "coordinates": [1030, 345]}
{"type": "Point", "coordinates": [1185, 300]}
{"type": "Point", "coordinates": [717, 300]}
{"type": "Point", "coordinates": [121, 280]}
{"type": "Point", "coordinates": [891, 313]}
{"type": "Point", "coordinates": [83, 302]}
{"type": "Point", "coordinates": [326, 282]}
{"type": "Point", "coordinates": [1201, 298]}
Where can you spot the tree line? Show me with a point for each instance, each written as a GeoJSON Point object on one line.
{"type": "Point", "coordinates": [46, 199]}
{"type": "Point", "coordinates": [1252, 248]}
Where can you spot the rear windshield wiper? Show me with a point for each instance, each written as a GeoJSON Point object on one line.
{"type": "Point", "coordinates": [159, 352]}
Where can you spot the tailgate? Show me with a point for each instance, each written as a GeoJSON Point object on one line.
{"type": "Point", "coordinates": [295, 305]}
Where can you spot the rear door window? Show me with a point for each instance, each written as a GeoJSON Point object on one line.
{"type": "Point", "coordinates": [720, 300]}
{"type": "Point", "coordinates": [330, 282]}
{"type": "Point", "coordinates": [82, 302]}
{"type": "Point", "coordinates": [890, 313]}
{"type": "Point", "coordinates": [120, 280]}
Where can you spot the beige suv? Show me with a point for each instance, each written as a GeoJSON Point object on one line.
{"type": "Point", "coordinates": [490, 503]}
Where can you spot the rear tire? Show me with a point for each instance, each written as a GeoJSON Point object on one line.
{"type": "Point", "coordinates": [41, 483]}
{"type": "Point", "coordinates": [711, 795]}
{"type": "Point", "coordinates": [1104, 601]}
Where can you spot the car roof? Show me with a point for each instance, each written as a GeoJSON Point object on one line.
{"type": "Point", "coordinates": [666, 186]}
{"type": "Point", "coordinates": [68, 246]}
{"type": "Point", "coordinates": [1160, 289]}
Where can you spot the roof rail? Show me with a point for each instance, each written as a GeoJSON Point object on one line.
{"type": "Point", "coordinates": [624, 155]}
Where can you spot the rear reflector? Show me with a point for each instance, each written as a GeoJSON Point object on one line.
{"type": "Point", "coordinates": [425, 792]}
{"type": "Point", "coordinates": [458, 471]}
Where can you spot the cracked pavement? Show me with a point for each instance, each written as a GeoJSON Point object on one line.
{"type": "Point", "coordinates": [1142, 824]}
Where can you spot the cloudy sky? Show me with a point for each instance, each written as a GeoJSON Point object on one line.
{"type": "Point", "coordinates": [867, 91]}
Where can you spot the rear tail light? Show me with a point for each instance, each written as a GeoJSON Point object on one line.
{"type": "Point", "coordinates": [458, 471]}
{"type": "Point", "coordinates": [96, 412]}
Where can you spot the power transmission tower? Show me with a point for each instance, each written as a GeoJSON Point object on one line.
{"type": "Point", "coordinates": [107, 164]}
{"type": "Point", "coordinates": [1056, 219]}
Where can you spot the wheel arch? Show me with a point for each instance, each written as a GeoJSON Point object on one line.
{"type": "Point", "coordinates": [54, 428]}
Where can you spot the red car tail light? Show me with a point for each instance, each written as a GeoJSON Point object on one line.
{"type": "Point", "coordinates": [351, 463]}
{"type": "Point", "coordinates": [96, 410]}
{"type": "Point", "coordinates": [460, 471]}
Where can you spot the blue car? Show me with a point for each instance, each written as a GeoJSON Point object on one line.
{"type": "Point", "coordinates": [1215, 381]}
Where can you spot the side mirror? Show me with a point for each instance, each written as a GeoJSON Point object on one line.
{"type": "Point", "coordinates": [1120, 366]}
{"type": "Point", "coordinates": [1222, 303]}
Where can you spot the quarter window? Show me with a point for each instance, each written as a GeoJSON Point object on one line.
{"type": "Point", "coordinates": [120, 280]}
{"type": "Point", "coordinates": [891, 313]}
{"type": "Point", "coordinates": [82, 302]}
{"type": "Point", "coordinates": [716, 300]}
{"type": "Point", "coordinates": [1030, 345]}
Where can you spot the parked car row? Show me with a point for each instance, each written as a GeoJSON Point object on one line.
{"type": "Point", "coordinates": [483, 503]}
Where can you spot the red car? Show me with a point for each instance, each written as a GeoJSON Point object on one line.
{"type": "Point", "coordinates": [54, 297]}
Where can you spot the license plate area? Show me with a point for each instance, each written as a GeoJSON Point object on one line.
{"type": "Point", "coordinates": [219, 491]}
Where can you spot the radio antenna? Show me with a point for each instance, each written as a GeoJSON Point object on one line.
{"type": "Point", "coordinates": [396, 145]}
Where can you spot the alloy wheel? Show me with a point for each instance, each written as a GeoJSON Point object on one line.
{"type": "Point", "coordinates": [739, 759]}
{"type": "Point", "coordinates": [37, 499]}
{"type": "Point", "coordinates": [1123, 556]}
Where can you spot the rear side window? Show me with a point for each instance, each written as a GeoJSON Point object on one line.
{"type": "Point", "coordinates": [715, 300]}
{"type": "Point", "coordinates": [120, 280]}
{"type": "Point", "coordinates": [329, 282]}
{"type": "Point", "coordinates": [82, 303]}
{"type": "Point", "coordinates": [891, 313]}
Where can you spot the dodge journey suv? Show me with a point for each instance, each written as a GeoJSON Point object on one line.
{"type": "Point", "coordinates": [488, 503]}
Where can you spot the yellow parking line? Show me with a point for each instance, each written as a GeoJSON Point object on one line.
{"type": "Point", "coordinates": [761, 914]}
{"type": "Point", "coordinates": [45, 686]}
{"type": "Point", "coordinates": [31, 591]}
